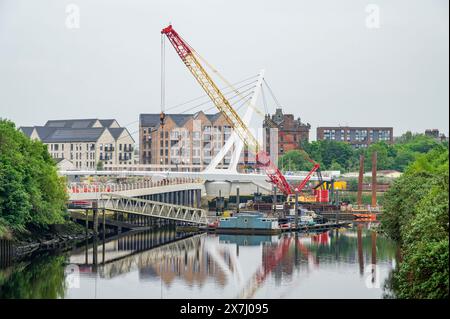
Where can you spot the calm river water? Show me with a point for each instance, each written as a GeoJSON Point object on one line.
{"type": "Point", "coordinates": [345, 263]}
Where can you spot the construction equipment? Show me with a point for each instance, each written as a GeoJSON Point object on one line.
{"type": "Point", "coordinates": [191, 59]}
{"type": "Point", "coordinates": [319, 193]}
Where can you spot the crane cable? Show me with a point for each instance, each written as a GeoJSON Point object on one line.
{"type": "Point", "coordinates": [204, 96]}
{"type": "Point", "coordinates": [271, 93]}
{"type": "Point", "coordinates": [214, 70]}
{"type": "Point", "coordinates": [163, 73]}
{"type": "Point", "coordinates": [264, 100]}
{"type": "Point", "coordinates": [209, 101]}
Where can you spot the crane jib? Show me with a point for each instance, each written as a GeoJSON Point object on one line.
{"type": "Point", "coordinates": [187, 55]}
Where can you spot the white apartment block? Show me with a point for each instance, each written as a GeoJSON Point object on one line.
{"type": "Point", "coordinates": [85, 142]}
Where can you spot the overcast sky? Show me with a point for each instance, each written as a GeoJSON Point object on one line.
{"type": "Point", "coordinates": [322, 60]}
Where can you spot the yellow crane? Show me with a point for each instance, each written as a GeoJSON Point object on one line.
{"type": "Point", "coordinates": [191, 60]}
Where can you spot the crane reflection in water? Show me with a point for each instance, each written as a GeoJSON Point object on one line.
{"type": "Point", "coordinates": [166, 264]}
{"type": "Point", "coordinates": [239, 265]}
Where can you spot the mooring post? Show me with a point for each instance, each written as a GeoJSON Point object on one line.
{"type": "Point", "coordinates": [360, 179]}
{"type": "Point", "coordinates": [87, 221]}
{"type": "Point", "coordinates": [274, 199]}
{"type": "Point", "coordinates": [104, 223]}
{"type": "Point", "coordinates": [103, 236]}
{"type": "Point", "coordinates": [360, 250]}
{"type": "Point", "coordinates": [95, 217]}
{"type": "Point", "coordinates": [374, 179]}
{"type": "Point", "coordinates": [237, 199]}
{"type": "Point", "coordinates": [94, 254]}
{"type": "Point", "coordinates": [374, 256]}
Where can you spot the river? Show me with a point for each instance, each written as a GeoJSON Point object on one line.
{"type": "Point", "coordinates": [344, 263]}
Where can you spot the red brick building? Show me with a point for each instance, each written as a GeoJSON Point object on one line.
{"type": "Point", "coordinates": [283, 133]}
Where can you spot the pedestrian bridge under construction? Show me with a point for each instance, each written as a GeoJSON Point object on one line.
{"type": "Point", "coordinates": [143, 207]}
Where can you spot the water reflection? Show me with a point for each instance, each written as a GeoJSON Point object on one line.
{"type": "Point", "coordinates": [347, 263]}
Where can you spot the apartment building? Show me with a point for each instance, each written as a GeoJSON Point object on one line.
{"type": "Point", "coordinates": [434, 133]}
{"type": "Point", "coordinates": [358, 137]}
{"type": "Point", "coordinates": [283, 133]}
{"type": "Point", "coordinates": [184, 141]}
{"type": "Point", "coordinates": [85, 142]}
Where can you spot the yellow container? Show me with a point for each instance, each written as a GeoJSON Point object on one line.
{"type": "Point", "coordinates": [226, 213]}
{"type": "Point", "coordinates": [337, 185]}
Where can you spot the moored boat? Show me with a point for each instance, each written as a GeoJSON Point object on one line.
{"type": "Point", "coordinates": [248, 223]}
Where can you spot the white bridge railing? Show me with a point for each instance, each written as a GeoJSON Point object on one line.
{"type": "Point", "coordinates": [118, 187]}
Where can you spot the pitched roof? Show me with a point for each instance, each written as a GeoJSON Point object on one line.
{"type": "Point", "coordinates": [78, 123]}
{"type": "Point", "coordinates": [180, 119]}
{"type": "Point", "coordinates": [107, 123]}
{"type": "Point", "coordinates": [213, 117]}
{"type": "Point", "coordinates": [116, 131]}
{"type": "Point", "coordinates": [148, 120]}
{"type": "Point", "coordinates": [27, 130]}
{"type": "Point", "coordinates": [152, 120]}
{"type": "Point", "coordinates": [43, 132]}
{"type": "Point", "coordinates": [64, 135]}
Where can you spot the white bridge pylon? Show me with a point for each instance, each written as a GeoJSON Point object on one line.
{"type": "Point", "coordinates": [234, 138]}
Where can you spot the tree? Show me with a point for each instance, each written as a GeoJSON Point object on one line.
{"type": "Point", "coordinates": [416, 214]}
{"type": "Point", "coordinates": [385, 156]}
{"type": "Point", "coordinates": [30, 190]}
{"type": "Point", "coordinates": [295, 161]}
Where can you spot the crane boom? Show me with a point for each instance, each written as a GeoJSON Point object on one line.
{"type": "Point", "coordinates": [188, 56]}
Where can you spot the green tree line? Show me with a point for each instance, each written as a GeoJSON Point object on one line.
{"type": "Point", "coordinates": [31, 192]}
{"type": "Point", "coordinates": [416, 215]}
{"type": "Point", "coordinates": [335, 155]}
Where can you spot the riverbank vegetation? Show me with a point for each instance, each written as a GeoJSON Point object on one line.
{"type": "Point", "coordinates": [32, 195]}
{"type": "Point", "coordinates": [334, 155]}
{"type": "Point", "coordinates": [416, 215]}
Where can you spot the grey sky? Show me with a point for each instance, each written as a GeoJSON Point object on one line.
{"type": "Point", "coordinates": [321, 60]}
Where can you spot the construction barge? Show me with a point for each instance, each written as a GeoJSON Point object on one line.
{"type": "Point", "coordinates": [256, 223]}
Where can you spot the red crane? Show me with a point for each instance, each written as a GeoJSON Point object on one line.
{"type": "Point", "coordinates": [191, 59]}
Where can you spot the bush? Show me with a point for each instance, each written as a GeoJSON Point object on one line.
{"type": "Point", "coordinates": [31, 192]}
{"type": "Point", "coordinates": [416, 214]}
